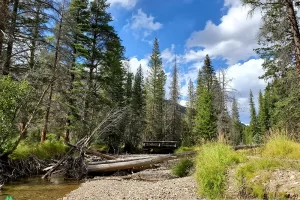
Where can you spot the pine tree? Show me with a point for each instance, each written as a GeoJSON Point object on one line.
{"type": "Point", "coordinates": [78, 17]}
{"type": "Point", "coordinates": [205, 121]}
{"type": "Point", "coordinates": [236, 128]}
{"type": "Point", "coordinates": [206, 116]}
{"type": "Point", "coordinates": [208, 74]}
{"type": "Point", "coordinates": [174, 124]}
{"type": "Point", "coordinates": [4, 12]}
{"type": "Point", "coordinates": [155, 96]}
{"type": "Point", "coordinates": [136, 124]}
{"type": "Point", "coordinates": [188, 137]}
{"type": "Point", "coordinates": [262, 114]}
{"type": "Point", "coordinates": [254, 126]}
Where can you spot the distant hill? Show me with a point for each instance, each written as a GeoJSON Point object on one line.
{"type": "Point", "coordinates": [182, 109]}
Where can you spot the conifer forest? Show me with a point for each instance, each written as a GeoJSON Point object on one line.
{"type": "Point", "coordinates": [66, 88]}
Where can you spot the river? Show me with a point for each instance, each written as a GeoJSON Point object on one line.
{"type": "Point", "coordinates": [34, 188]}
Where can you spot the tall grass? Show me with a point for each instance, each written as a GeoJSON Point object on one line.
{"type": "Point", "coordinates": [46, 150]}
{"type": "Point", "coordinates": [183, 167]}
{"type": "Point", "coordinates": [259, 168]}
{"type": "Point", "coordinates": [280, 146]}
{"type": "Point", "coordinates": [212, 163]}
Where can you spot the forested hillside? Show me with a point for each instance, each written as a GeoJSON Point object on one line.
{"type": "Point", "coordinates": [63, 69]}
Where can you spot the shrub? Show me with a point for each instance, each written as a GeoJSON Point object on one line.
{"type": "Point", "coordinates": [184, 149]}
{"type": "Point", "coordinates": [281, 146]}
{"type": "Point", "coordinates": [183, 167]}
{"type": "Point", "coordinates": [253, 168]}
{"type": "Point", "coordinates": [47, 150]}
{"type": "Point", "coordinates": [212, 163]}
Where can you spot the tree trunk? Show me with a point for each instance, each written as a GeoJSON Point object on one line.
{"type": "Point", "coordinates": [11, 38]}
{"type": "Point", "coordinates": [35, 35]}
{"type": "Point", "coordinates": [111, 167]}
{"type": "Point", "coordinates": [56, 58]}
{"type": "Point", "coordinates": [295, 29]}
{"type": "Point", "coordinates": [71, 103]}
{"type": "Point", "coordinates": [3, 23]}
{"type": "Point", "coordinates": [45, 128]}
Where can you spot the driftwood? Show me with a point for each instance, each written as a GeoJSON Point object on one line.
{"type": "Point", "coordinates": [119, 160]}
{"type": "Point", "coordinates": [240, 147]}
{"type": "Point", "coordinates": [111, 167]}
{"type": "Point", "coordinates": [101, 155]}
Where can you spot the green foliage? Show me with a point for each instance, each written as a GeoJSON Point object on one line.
{"type": "Point", "coordinates": [187, 148]}
{"type": "Point", "coordinates": [183, 167]}
{"type": "Point", "coordinates": [205, 121]}
{"type": "Point", "coordinates": [205, 127]}
{"type": "Point", "coordinates": [155, 95]}
{"type": "Point", "coordinates": [188, 138]}
{"type": "Point", "coordinates": [262, 114]}
{"type": "Point", "coordinates": [47, 150]}
{"type": "Point", "coordinates": [236, 127]}
{"type": "Point", "coordinates": [254, 126]}
{"type": "Point", "coordinates": [100, 147]}
{"type": "Point", "coordinates": [12, 96]}
{"type": "Point", "coordinates": [252, 169]}
{"type": "Point", "coordinates": [212, 163]}
{"type": "Point", "coordinates": [280, 146]}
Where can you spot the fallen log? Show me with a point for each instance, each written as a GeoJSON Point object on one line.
{"type": "Point", "coordinates": [108, 157]}
{"type": "Point", "coordinates": [111, 167]}
{"type": "Point", "coordinates": [240, 147]}
{"type": "Point", "coordinates": [118, 160]}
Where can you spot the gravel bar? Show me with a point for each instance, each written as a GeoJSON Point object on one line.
{"type": "Point", "coordinates": [176, 188]}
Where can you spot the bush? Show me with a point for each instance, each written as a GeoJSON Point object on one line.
{"type": "Point", "coordinates": [212, 163]}
{"type": "Point", "coordinates": [252, 169]}
{"type": "Point", "coordinates": [183, 167]}
{"type": "Point", "coordinates": [184, 149]}
{"type": "Point", "coordinates": [281, 146]}
{"type": "Point", "coordinates": [47, 150]}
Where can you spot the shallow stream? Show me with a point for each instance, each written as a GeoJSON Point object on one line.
{"type": "Point", "coordinates": [34, 188]}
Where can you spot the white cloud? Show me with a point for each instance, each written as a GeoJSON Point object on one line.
{"type": "Point", "coordinates": [183, 102]}
{"type": "Point", "coordinates": [233, 39]}
{"type": "Point", "coordinates": [245, 78]}
{"type": "Point", "coordinates": [168, 54]}
{"type": "Point", "coordinates": [143, 24]}
{"type": "Point", "coordinates": [134, 64]}
{"type": "Point", "coordinates": [124, 3]}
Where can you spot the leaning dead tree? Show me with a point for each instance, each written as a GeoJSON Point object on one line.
{"type": "Point", "coordinates": [73, 162]}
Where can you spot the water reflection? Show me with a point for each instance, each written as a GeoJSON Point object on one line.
{"type": "Point", "coordinates": [34, 188]}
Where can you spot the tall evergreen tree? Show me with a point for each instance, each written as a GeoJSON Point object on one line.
{"type": "Point", "coordinates": [136, 124]}
{"type": "Point", "coordinates": [155, 96]}
{"type": "Point", "coordinates": [206, 120]}
{"type": "Point", "coordinates": [262, 114]}
{"type": "Point", "coordinates": [254, 126]}
{"type": "Point", "coordinates": [188, 137]}
{"type": "Point", "coordinates": [78, 17]}
{"type": "Point", "coordinates": [206, 117]}
{"type": "Point", "coordinates": [236, 128]}
{"type": "Point", "coordinates": [174, 124]}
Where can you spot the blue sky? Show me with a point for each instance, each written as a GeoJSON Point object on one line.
{"type": "Point", "coordinates": [190, 29]}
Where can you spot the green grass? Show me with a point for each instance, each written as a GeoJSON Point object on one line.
{"type": "Point", "coordinates": [281, 146]}
{"type": "Point", "coordinates": [212, 163]}
{"type": "Point", "coordinates": [100, 147]}
{"type": "Point", "coordinates": [259, 168]}
{"type": "Point", "coordinates": [183, 167]}
{"type": "Point", "coordinates": [185, 149]}
{"type": "Point", "coordinates": [47, 150]}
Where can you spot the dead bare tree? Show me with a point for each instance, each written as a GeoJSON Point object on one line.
{"type": "Point", "coordinates": [74, 165]}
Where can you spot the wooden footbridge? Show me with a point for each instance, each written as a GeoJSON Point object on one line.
{"type": "Point", "coordinates": [160, 146]}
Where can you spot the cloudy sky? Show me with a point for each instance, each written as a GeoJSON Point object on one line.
{"type": "Point", "coordinates": [190, 29]}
